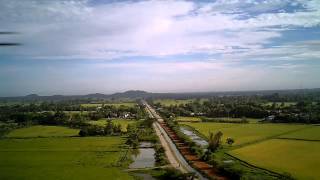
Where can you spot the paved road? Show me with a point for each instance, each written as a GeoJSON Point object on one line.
{"type": "Point", "coordinates": [173, 155]}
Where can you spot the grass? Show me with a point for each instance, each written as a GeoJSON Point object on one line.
{"type": "Point", "coordinates": [43, 131]}
{"type": "Point", "coordinates": [61, 158]}
{"type": "Point", "coordinates": [299, 158]}
{"type": "Point", "coordinates": [244, 133]}
{"type": "Point", "coordinates": [312, 133]}
{"type": "Point", "coordinates": [127, 104]}
{"type": "Point", "coordinates": [124, 123]}
{"type": "Point", "coordinates": [188, 119]}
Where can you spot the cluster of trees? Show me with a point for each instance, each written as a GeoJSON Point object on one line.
{"type": "Point", "coordinates": [117, 112]}
{"type": "Point", "coordinates": [95, 130]}
{"type": "Point", "coordinates": [44, 118]}
{"type": "Point", "coordinates": [58, 114]}
{"type": "Point", "coordinates": [302, 112]}
{"type": "Point", "coordinates": [246, 106]}
{"type": "Point", "coordinates": [141, 131]}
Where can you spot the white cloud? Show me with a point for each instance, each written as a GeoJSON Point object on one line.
{"type": "Point", "coordinates": [75, 29]}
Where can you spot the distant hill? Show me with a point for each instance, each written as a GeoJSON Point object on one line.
{"type": "Point", "coordinates": [131, 94]}
{"type": "Point", "coordinates": [136, 94]}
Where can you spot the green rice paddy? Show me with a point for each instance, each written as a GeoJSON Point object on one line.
{"type": "Point", "coordinates": [60, 157]}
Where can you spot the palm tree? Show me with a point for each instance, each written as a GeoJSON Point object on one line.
{"type": "Point", "coordinates": [214, 141]}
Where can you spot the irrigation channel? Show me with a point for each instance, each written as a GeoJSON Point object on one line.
{"type": "Point", "coordinates": [178, 153]}
{"type": "Point", "coordinates": [143, 157]}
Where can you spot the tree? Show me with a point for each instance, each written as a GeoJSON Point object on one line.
{"type": "Point", "coordinates": [117, 128]}
{"type": "Point", "coordinates": [83, 132]}
{"type": "Point", "coordinates": [244, 119]}
{"type": "Point", "coordinates": [133, 139]}
{"type": "Point", "coordinates": [214, 141]}
{"type": "Point", "coordinates": [130, 128]}
{"type": "Point", "coordinates": [109, 128]}
{"type": "Point", "coordinates": [230, 141]}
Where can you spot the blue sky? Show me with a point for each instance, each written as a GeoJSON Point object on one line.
{"type": "Point", "coordinates": [89, 46]}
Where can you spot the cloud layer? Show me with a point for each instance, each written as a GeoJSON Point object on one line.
{"type": "Point", "coordinates": [85, 46]}
{"type": "Point", "coordinates": [83, 29]}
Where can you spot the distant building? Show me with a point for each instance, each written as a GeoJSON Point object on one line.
{"type": "Point", "coordinates": [270, 118]}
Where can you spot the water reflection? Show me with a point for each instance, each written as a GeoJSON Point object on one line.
{"type": "Point", "coordinates": [194, 137]}
{"type": "Point", "coordinates": [143, 156]}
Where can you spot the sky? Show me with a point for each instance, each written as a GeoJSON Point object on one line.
{"type": "Point", "coordinates": [99, 46]}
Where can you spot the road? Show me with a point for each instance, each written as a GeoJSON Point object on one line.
{"type": "Point", "coordinates": [173, 155]}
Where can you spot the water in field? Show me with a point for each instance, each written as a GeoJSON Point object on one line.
{"type": "Point", "coordinates": [194, 137]}
{"type": "Point", "coordinates": [144, 157]}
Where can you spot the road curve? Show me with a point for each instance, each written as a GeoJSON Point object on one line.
{"type": "Point", "coordinates": [173, 155]}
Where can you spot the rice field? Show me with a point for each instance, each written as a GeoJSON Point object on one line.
{"type": "Point", "coordinates": [188, 119]}
{"type": "Point", "coordinates": [43, 131]}
{"type": "Point", "coordinates": [278, 104]}
{"type": "Point", "coordinates": [127, 104]}
{"type": "Point", "coordinates": [312, 133]}
{"type": "Point", "coordinates": [299, 158]}
{"type": "Point", "coordinates": [61, 157]}
{"type": "Point", "coordinates": [261, 145]}
{"type": "Point", "coordinates": [173, 102]}
{"type": "Point", "coordinates": [251, 120]}
{"type": "Point", "coordinates": [244, 133]}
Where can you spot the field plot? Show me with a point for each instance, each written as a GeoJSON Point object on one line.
{"type": "Point", "coordinates": [188, 119]}
{"type": "Point", "coordinates": [312, 133]}
{"type": "Point", "coordinates": [251, 120]}
{"type": "Point", "coordinates": [61, 158]}
{"type": "Point", "coordinates": [244, 133]}
{"type": "Point", "coordinates": [299, 158]}
{"type": "Point", "coordinates": [123, 122]}
{"type": "Point", "coordinates": [278, 104]}
{"type": "Point", "coordinates": [173, 102]}
{"type": "Point", "coordinates": [91, 105]}
{"type": "Point", "coordinates": [127, 104]}
{"type": "Point", "coordinates": [43, 131]}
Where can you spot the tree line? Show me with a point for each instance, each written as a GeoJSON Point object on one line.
{"type": "Point", "coordinates": [246, 106]}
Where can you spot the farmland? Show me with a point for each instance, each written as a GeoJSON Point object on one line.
{"type": "Point", "coordinates": [172, 102]}
{"type": "Point", "coordinates": [43, 131]}
{"type": "Point", "coordinates": [60, 157]}
{"type": "Point", "coordinates": [299, 158]}
{"type": "Point", "coordinates": [116, 104]}
{"type": "Point", "coordinates": [312, 133]}
{"type": "Point", "coordinates": [245, 133]}
{"type": "Point", "coordinates": [271, 146]}
{"type": "Point", "coordinates": [231, 120]}
{"type": "Point", "coordinates": [278, 104]}
{"type": "Point", "coordinates": [186, 119]}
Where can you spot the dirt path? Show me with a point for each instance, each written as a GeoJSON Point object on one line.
{"type": "Point", "coordinates": [174, 157]}
{"type": "Point", "coordinates": [177, 151]}
{"type": "Point", "coordinates": [170, 155]}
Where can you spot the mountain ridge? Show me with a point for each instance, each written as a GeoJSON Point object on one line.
{"type": "Point", "coordinates": [135, 94]}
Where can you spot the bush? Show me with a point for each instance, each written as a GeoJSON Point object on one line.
{"type": "Point", "coordinates": [173, 174]}
{"type": "Point", "coordinates": [160, 156]}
